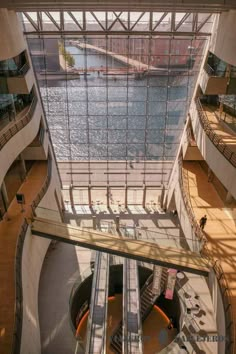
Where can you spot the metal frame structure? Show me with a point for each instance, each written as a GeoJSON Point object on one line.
{"type": "Point", "coordinates": [111, 22]}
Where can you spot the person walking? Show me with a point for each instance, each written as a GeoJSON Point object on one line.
{"type": "Point", "coordinates": [202, 222]}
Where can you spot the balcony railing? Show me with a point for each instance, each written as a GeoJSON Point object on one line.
{"type": "Point", "coordinates": [213, 136]}
{"type": "Point", "coordinates": [16, 72]}
{"type": "Point", "coordinates": [16, 346]}
{"type": "Point", "coordinates": [219, 273]}
{"type": "Point", "coordinates": [19, 124]}
{"type": "Point", "coordinates": [195, 226]}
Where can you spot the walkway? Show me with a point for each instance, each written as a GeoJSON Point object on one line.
{"type": "Point", "coordinates": [137, 64]}
{"type": "Point", "coordinates": [135, 249]}
{"type": "Point", "coordinates": [9, 231]}
{"type": "Point", "coordinates": [220, 229]}
{"type": "Point", "coordinates": [225, 134]}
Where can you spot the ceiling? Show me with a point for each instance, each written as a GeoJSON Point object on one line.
{"type": "Point", "coordinates": [124, 5]}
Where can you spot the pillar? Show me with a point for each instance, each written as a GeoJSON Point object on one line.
{"type": "Point", "coordinates": [23, 167]}
{"type": "Point", "coordinates": [117, 223]}
{"type": "Point", "coordinates": [144, 196]}
{"type": "Point", "coordinates": [108, 197]}
{"type": "Point", "coordinates": [94, 222]}
{"type": "Point", "coordinates": [89, 196]}
{"type": "Point", "coordinates": [126, 196]}
{"type": "Point", "coordinates": [71, 196]}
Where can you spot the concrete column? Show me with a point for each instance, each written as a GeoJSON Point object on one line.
{"type": "Point", "coordinates": [108, 197]}
{"type": "Point", "coordinates": [94, 222]}
{"type": "Point", "coordinates": [162, 197]}
{"type": "Point", "coordinates": [117, 223]}
{"type": "Point", "coordinates": [62, 204]}
{"type": "Point", "coordinates": [144, 196]}
{"type": "Point", "coordinates": [126, 197]}
{"type": "Point", "coordinates": [71, 196]}
{"type": "Point", "coordinates": [23, 167]}
{"type": "Point", "coordinates": [89, 197]}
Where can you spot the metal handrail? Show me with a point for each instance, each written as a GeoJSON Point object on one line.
{"type": "Point", "coordinates": [94, 296]}
{"type": "Point", "coordinates": [16, 346]}
{"type": "Point", "coordinates": [219, 273]}
{"type": "Point", "coordinates": [19, 124]}
{"type": "Point", "coordinates": [213, 136]}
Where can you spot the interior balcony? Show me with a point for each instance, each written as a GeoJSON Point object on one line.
{"type": "Point", "coordinates": [215, 140]}
{"type": "Point", "coordinates": [224, 138]}
{"type": "Point", "coordinates": [12, 229]}
{"type": "Point", "coordinates": [189, 148]}
{"type": "Point", "coordinates": [27, 122]}
{"type": "Point", "coordinates": [218, 78]}
{"type": "Point", "coordinates": [219, 231]}
{"type": "Point", "coordinates": [13, 108]}
{"type": "Point", "coordinates": [16, 76]}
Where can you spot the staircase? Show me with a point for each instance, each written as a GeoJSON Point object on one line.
{"type": "Point", "coordinates": [148, 299]}
{"type": "Point", "coordinates": [116, 340]}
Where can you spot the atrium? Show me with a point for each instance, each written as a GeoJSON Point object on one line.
{"type": "Point", "coordinates": [117, 177]}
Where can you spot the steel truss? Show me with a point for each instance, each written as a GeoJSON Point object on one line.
{"type": "Point", "coordinates": [117, 23]}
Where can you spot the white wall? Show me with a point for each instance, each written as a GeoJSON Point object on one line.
{"type": "Point", "coordinates": [34, 252]}
{"type": "Point", "coordinates": [184, 220]}
{"type": "Point", "coordinates": [216, 161]}
{"type": "Point", "coordinates": [223, 43]}
{"type": "Point", "coordinates": [37, 152]}
{"type": "Point", "coordinates": [21, 84]}
{"type": "Point", "coordinates": [12, 42]}
{"type": "Point", "coordinates": [218, 308]}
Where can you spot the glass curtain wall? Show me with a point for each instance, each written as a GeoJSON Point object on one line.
{"type": "Point", "coordinates": [116, 105]}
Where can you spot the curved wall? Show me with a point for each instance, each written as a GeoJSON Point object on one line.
{"type": "Point", "coordinates": [35, 249]}
{"type": "Point", "coordinates": [221, 167]}
{"type": "Point", "coordinates": [184, 219]}
{"type": "Point", "coordinates": [11, 39]}
{"type": "Point", "coordinates": [223, 42]}
{"type": "Point", "coordinates": [19, 142]}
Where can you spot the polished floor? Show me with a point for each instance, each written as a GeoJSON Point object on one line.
{"type": "Point", "coordinates": [220, 229]}
{"type": "Point", "coordinates": [10, 228]}
{"type": "Point", "coordinates": [228, 137]}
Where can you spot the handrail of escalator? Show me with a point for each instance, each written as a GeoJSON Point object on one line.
{"type": "Point", "coordinates": [90, 330]}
